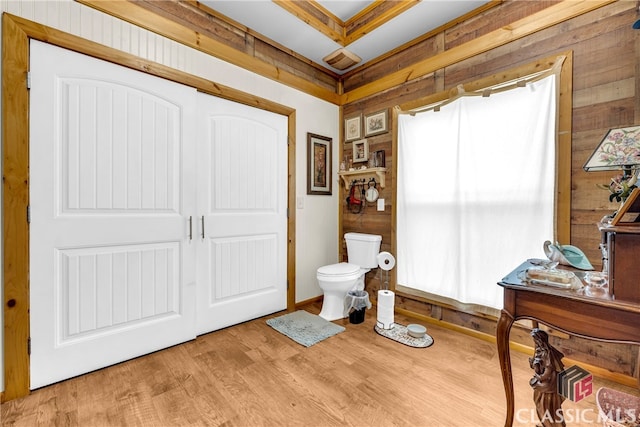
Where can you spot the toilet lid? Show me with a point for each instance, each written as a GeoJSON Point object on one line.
{"type": "Point", "coordinates": [341, 269]}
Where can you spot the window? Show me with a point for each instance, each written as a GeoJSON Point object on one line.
{"type": "Point", "coordinates": [476, 189]}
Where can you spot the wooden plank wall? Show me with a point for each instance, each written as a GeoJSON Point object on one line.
{"type": "Point", "coordinates": [605, 75]}
{"type": "Point", "coordinates": [224, 30]}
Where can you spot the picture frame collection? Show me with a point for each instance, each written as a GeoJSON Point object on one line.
{"type": "Point", "coordinates": [356, 129]}
{"type": "Point", "coordinates": [372, 124]}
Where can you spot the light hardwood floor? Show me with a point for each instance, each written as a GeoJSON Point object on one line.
{"type": "Point", "coordinates": [251, 375]}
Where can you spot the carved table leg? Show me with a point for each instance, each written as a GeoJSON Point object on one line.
{"type": "Point", "coordinates": [502, 338]}
{"type": "Point", "coordinates": [546, 364]}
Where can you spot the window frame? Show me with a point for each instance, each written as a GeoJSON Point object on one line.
{"type": "Point", "coordinates": [562, 219]}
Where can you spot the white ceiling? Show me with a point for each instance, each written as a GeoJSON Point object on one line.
{"type": "Point", "coordinates": [274, 22]}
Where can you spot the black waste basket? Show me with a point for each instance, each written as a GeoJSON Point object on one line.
{"type": "Point", "coordinates": [355, 305]}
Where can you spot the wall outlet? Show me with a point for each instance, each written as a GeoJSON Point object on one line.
{"type": "Point", "coordinates": [381, 205]}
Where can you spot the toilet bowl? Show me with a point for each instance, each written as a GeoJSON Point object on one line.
{"type": "Point", "coordinates": [336, 280]}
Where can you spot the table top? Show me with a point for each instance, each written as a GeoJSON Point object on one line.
{"type": "Point", "coordinates": [584, 294]}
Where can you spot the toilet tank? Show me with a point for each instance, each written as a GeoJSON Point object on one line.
{"type": "Point", "coordinates": [363, 249]}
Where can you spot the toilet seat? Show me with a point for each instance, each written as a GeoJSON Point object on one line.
{"type": "Point", "coordinates": [341, 270]}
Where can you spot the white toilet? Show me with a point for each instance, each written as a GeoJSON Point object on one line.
{"type": "Point", "coordinates": [338, 279]}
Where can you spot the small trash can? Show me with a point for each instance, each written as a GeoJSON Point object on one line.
{"type": "Point", "coordinates": [355, 304]}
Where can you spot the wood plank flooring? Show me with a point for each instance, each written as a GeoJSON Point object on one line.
{"type": "Point", "coordinates": [251, 375]}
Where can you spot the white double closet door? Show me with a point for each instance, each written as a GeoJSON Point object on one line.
{"type": "Point", "coordinates": [157, 213]}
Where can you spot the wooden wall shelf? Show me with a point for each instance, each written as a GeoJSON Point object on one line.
{"type": "Point", "coordinates": [378, 173]}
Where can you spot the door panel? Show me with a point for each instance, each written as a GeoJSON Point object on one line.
{"type": "Point", "coordinates": [124, 235]}
{"type": "Point", "coordinates": [111, 267]}
{"type": "Point", "coordinates": [242, 164]}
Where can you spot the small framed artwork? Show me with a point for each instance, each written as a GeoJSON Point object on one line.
{"type": "Point", "coordinates": [352, 127]}
{"type": "Point", "coordinates": [318, 164]}
{"type": "Point", "coordinates": [375, 123]}
{"type": "Point", "coordinates": [629, 212]}
{"type": "Point", "coordinates": [379, 161]}
{"type": "Point", "coordinates": [360, 151]}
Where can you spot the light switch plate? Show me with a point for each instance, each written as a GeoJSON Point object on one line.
{"type": "Point", "coordinates": [381, 205]}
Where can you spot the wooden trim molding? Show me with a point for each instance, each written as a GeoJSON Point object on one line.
{"type": "Point", "coordinates": [313, 14]}
{"type": "Point", "coordinates": [16, 32]}
{"type": "Point", "coordinates": [548, 17]}
{"type": "Point", "coordinates": [137, 15]}
{"type": "Point", "coordinates": [15, 200]}
{"type": "Point", "coordinates": [377, 14]}
{"type": "Point", "coordinates": [433, 33]}
{"type": "Point", "coordinates": [563, 135]}
{"type": "Point", "coordinates": [596, 370]}
{"type": "Point", "coordinates": [344, 33]}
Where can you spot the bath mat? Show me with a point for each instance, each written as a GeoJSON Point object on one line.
{"type": "Point", "coordinates": [304, 328]}
{"type": "Point", "coordinates": [399, 333]}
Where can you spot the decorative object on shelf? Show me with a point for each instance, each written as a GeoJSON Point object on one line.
{"type": "Point", "coordinates": [566, 255]}
{"type": "Point", "coordinates": [379, 173]}
{"type": "Point", "coordinates": [360, 151]}
{"type": "Point", "coordinates": [318, 164]}
{"type": "Point", "coordinates": [375, 123]}
{"type": "Point", "coordinates": [618, 150]}
{"type": "Point", "coordinates": [380, 161]}
{"type": "Point", "coordinates": [352, 128]}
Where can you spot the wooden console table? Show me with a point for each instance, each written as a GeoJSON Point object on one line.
{"type": "Point", "coordinates": [572, 311]}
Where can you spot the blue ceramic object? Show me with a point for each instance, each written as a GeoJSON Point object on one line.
{"type": "Point", "coordinates": [567, 255]}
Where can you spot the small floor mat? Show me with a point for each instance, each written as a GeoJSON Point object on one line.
{"type": "Point", "coordinates": [304, 328]}
{"type": "Point", "coordinates": [399, 333]}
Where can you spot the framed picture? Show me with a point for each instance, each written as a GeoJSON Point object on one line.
{"type": "Point", "coordinates": [352, 127]}
{"type": "Point", "coordinates": [629, 212]}
{"type": "Point", "coordinates": [379, 161]}
{"type": "Point", "coordinates": [360, 151]}
{"type": "Point", "coordinates": [375, 123]}
{"type": "Point", "coordinates": [318, 164]}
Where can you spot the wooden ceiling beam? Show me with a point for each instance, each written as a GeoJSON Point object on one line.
{"type": "Point", "coordinates": [548, 17]}
{"type": "Point", "coordinates": [374, 16]}
{"type": "Point", "coordinates": [130, 12]}
{"type": "Point", "coordinates": [311, 13]}
{"type": "Point", "coordinates": [368, 19]}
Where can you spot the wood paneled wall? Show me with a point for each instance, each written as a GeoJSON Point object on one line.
{"type": "Point", "coordinates": [606, 73]}
{"type": "Point", "coordinates": [605, 76]}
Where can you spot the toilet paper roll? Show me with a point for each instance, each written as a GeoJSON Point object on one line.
{"type": "Point", "coordinates": [386, 261]}
{"type": "Point", "coordinates": [386, 303]}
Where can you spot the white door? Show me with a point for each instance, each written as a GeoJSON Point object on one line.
{"type": "Point", "coordinates": [242, 208]}
{"type": "Point", "coordinates": [111, 266]}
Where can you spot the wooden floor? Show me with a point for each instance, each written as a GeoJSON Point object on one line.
{"type": "Point", "coordinates": [251, 375]}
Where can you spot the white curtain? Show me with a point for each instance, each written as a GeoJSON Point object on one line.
{"type": "Point", "coordinates": [476, 190]}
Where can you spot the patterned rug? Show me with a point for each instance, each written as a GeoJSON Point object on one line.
{"type": "Point", "coordinates": [304, 328]}
{"type": "Point", "coordinates": [399, 333]}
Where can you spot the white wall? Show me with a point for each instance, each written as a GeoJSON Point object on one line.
{"type": "Point", "coordinates": [317, 222]}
